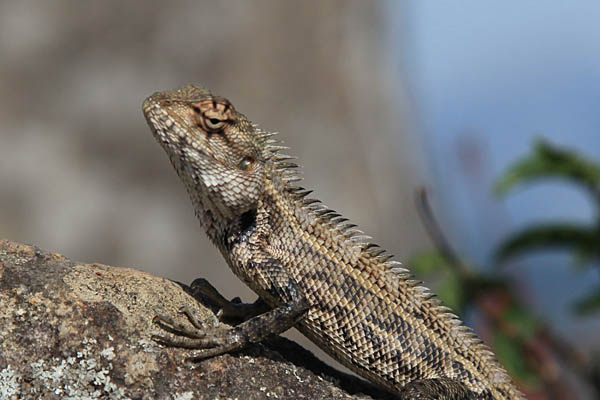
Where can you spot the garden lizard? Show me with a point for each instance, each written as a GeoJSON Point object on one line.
{"type": "Point", "coordinates": [311, 268]}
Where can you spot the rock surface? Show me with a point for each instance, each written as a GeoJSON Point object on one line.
{"type": "Point", "coordinates": [83, 331]}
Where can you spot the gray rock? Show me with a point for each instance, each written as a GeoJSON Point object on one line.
{"type": "Point", "coordinates": [83, 331]}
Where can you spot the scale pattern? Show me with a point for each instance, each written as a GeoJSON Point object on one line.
{"type": "Point", "coordinates": [364, 309]}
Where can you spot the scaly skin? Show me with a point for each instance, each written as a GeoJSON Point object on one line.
{"type": "Point", "coordinates": [311, 267]}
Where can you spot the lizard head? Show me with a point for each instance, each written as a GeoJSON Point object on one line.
{"type": "Point", "coordinates": [216, 151]}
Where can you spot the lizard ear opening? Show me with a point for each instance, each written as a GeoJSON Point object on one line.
{"type": "Point", "coordinates": [246, 163]}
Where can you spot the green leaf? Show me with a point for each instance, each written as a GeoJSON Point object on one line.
{"type": "Point", "coordinates": [548, 161]}
{"type": "Point", "coordinates": [452, 293]}
{"type": "Point", "coordinates": [589, 304]}
{"type": "Point", "coordinates": [582, 258]}
{"type": "Point", "coordinates": [578, 238]}
{"type": "Point", "coordinates": [427, 263]}
{"type": "Point", "coordinates": [450, 286]}
{"type": "Point", "coordinates": [511, 355]}
{"type": "Point", "coordinates": [524, 323]}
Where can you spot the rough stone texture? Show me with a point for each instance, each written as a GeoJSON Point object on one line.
{"type": "Point", "coordinates": [83, 331]}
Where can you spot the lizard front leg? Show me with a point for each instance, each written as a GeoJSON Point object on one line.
{"type": "Point", "coordinates": [231, 311]}
{"type": "Point", "coordinates": [208, 343]}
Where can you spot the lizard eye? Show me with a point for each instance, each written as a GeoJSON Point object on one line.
{"type": "Point", "coordinates": [246, 163]}
{"type": "Point", "coordinates": [214, 124]}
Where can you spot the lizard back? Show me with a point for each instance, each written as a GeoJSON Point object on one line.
{"type": "Point", "coordinates": [367, 311]}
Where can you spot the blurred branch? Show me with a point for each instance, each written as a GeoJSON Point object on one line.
{"type": "Point", "coordinates": [436, 234]}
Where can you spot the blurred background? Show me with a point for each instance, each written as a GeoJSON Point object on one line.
{"type": "Point", "coordinates": [377, 99]}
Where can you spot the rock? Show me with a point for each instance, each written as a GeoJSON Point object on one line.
{"type": "Point", "coordinates": [83, 331]}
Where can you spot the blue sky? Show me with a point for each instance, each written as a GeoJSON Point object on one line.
{"type": "Point", "coordinates": [485, 80]}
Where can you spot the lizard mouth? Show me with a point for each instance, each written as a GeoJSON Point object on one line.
{"type": "Point", "coordinates": [167, 128]}
{"type": "Point", "coordinates": [160, 124]}
{"type": "Point", "coordinates": [181, 142]}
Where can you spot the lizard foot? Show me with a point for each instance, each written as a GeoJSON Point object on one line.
{"type": "Point", "coordinates": [206, 341]}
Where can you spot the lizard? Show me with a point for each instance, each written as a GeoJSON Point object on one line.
{"type": "Point", "coordinates": [310, 267]}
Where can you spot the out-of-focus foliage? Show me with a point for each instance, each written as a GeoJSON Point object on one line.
{"type": "Point", "coordinates": [466, 289]}
{"type": "Point", "coordinates": [523, 343]}
{"type": "Point", "coordinates": [473, 291]}
{"type": "Point", "coordinates": [433, 265]}
{"type": "Point", "coordinates": [550, 162]}
{"type": "Point", "coordinates": [583, 240]}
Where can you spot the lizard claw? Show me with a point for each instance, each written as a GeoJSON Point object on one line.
{"type": "Point", "coordinates": [193, 318]}
{"type": "Point", "coordinates": [197, 335]}
{"type": "Point", "coordinates": [195, 331]}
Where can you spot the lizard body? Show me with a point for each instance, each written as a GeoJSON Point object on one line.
{"type": "Point", "coordinates": [312, 268]}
